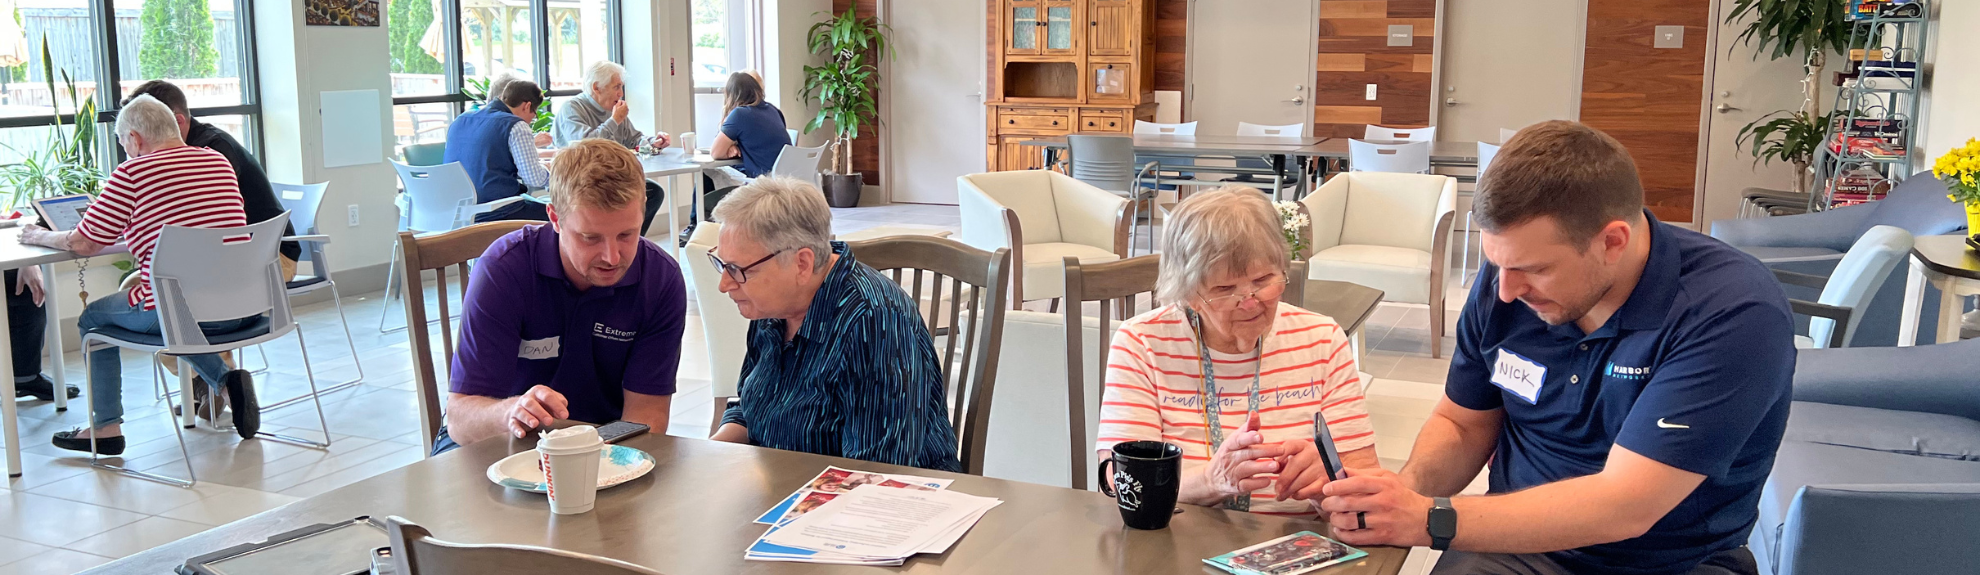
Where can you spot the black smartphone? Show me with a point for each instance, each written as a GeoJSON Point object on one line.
{"type": "Point", "coordinates": [619, 430]}
{"type": "Point", "coordinates": [1330, 457]}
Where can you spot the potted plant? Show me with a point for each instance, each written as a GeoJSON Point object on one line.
{"type": "Point", "coordinates": [843, 88]}
{"type": "Point", "coordinates": [1960, 170]}
{"type": "Point", "coordinates": [1811, 29]}
{"type": "Point", "coordinates": [67, 163]}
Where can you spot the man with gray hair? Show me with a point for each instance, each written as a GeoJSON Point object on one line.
{"type": "Point", "coordinates": [839, 361]}
{"type": "Point", "coordinates": [601, 112]}
{"type": "Point", "coordinates": [165, 183]}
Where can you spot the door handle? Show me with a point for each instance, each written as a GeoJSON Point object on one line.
{"type": "Point", "coordinates": [1296, 100]}
{"type": "Point", "coordinates": [1724, 108]}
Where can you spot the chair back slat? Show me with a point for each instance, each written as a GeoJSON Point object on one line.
{"type": "Point", "coordinates": [970, 381]}
{"type": "Point", "coordinates": [1106, 283]}
{"type": "Point", "coordinates": [420, 253]}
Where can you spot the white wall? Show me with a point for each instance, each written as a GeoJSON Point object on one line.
{"type": "Point", "coordinates": [785, 56]}
{"type": "Point", "coordinates": [1952, 104]}
{"type": "Point", "coordinates": [659, 80]}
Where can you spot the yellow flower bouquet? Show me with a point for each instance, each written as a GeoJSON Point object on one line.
{"type": "Point", "coordinates": [1960, 170]}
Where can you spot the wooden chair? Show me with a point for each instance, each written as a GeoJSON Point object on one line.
{"type": "Point", "coordinates": [416, 552]}
{"type": "Point", "coordinates": [971, 376]}
{"type": "Point", "coordinates": [1109, 283]}
{"type": "Point", "coordinates": [437, 252]}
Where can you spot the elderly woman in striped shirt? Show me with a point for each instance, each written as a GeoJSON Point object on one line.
{"type": "Point", "coordinates": [1273, 365]}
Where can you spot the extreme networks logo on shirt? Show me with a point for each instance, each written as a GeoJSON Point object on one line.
{"type": "Point", "coordinates": [1630, 373]}
{"type": "Point", "coordinates": [608, 332]}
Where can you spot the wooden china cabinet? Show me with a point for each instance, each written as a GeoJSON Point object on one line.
{"type": "Point", "coordinates": [1064, 67]}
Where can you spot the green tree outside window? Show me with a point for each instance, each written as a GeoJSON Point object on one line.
{"type": "Point", "coordinates": [177, 41]}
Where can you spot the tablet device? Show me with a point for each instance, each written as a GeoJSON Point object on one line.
{"type": "Point", "coordinates": [1329, 457]}
{"type": "Point", "coordinates": [62, 213]}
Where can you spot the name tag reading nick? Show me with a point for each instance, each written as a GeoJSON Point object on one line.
{"type": "Point", "coordinates": [545, 348]}
{"type": "Point", "coordinates": [1518, 375]}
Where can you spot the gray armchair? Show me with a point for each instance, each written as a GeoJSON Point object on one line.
{"type": "Point", "coordinates": [1879, 471]}
{"type": "Point", "coordinates": [1814, 243]}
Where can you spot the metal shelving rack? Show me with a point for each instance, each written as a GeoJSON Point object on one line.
{"type": "Point", "coordinates": [1880, 93]}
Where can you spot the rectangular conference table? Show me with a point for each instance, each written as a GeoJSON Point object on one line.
{"type": "Point", "coordinates": [675, 162]}
{"type": "Point", "coordinates": [15, 255]}
{"type": "Point", "coordinates": [1276, 149]}
{"type": "Point", "coordinates": [692, 515]}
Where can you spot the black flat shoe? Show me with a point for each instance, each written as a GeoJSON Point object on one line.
{"type": "Point", "coordinates": [247, 410]}
{"type": "Point", "coordinates": [104, 445]}
{"type": "Point", "coordinates": [42, 389]}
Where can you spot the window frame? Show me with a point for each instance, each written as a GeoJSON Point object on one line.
{"type": "Point", "coordinates": [103, 20]}
{"type": "Point", "coordinates": [539, 47]}
{"type": "Point", "coordinates": [751, 26]}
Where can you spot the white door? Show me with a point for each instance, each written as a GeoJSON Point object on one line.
{"type": "Point", "coordinates": [1251, 61]}
{"type": "Point", "coordinates": [1507, 64]}
{"type": "Point", "coordinates": [935, 131]}
{"type": "Point", "coordinates": [1743, 90]}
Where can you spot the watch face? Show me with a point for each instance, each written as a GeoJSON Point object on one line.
{"type": "Point", "coordinates": [1443, 520]}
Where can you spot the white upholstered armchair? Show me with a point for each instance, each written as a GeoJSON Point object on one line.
{"type": "Point", "coordinates": [1386, 231]}
{"type": "Point", "coordinates": [1042, 216]}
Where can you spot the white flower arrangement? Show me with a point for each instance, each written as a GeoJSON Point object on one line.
{"type": "Point", "coordinates": [1293, 223]}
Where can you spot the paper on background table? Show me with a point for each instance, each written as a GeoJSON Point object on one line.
{"type": "Point", "coordinates": [873, 521]}
{"type": "Point", "coordinates": [352, 128]}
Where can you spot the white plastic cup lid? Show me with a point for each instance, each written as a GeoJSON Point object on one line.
{"type": "Point", "coordinates": [569, 440]}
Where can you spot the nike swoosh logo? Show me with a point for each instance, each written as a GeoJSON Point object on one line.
{"type": "Point", "coordinates": [1665, 425]}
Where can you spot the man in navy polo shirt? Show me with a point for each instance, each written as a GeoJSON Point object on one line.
{"type": "Point", "coordinates": [579, 319]}
{"type": "Point", "coordinates": [1627, 380]}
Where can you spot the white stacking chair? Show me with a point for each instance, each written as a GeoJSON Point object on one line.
{"type": "Point", "coordinates": [197, 276]}
{"type": "Point", "coordinates": [1506, 135]}
{"type": "Point", "coordinates": [1386, 231]}
{"type": "Point", "coordinates": [1248, 129]}
{"type": "Point", "coordinates": [724, 330]}
{"type": "Point", "coordinates": [1408, 158]}
{"type": "Point", "coordinates": [1287, 130]}
{"type": "Point", "coordinates": [1156, 129]}
{"type": "Point", "coordinates": [1042, 216]}
{"type": "Point", "coordinates": [303, 203]}
{"type": "Point", "coordinates": [1485, 154]}
{"type": "Point", "coordinates": [1374, 132]}
{"type": "Point", "coordinates": [439, 199]}
{"type": "Point", "coordinates": [799, 163]}
{"type": "Point", "coordinates": [794, 135]}
{"type": "Point", "coordinates": [1182, 129]}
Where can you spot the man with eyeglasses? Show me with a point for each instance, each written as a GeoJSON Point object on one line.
{"type": "Point", "coordinates": [580, 319]}
{"type": "Point", "coordinates": [839, 361]}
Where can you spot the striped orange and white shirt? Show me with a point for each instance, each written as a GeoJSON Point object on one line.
{"type": "Point", "coordinates": [1154, 381]}
{"type": "Point", "coordinates": [186, 186]}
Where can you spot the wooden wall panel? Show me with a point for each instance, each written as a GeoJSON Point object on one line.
{"type": "Point", "coordinates": [1649, 98]}
{"type": "Point", "coordinates": [866, 148]}
{"type": "Point", "coordinates": [1354, 53]}
{"type": "Point", "coordinates": [1171, 43]}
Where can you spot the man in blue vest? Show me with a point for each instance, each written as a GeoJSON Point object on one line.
{"type": "Point", "coordinates": [498, 149]}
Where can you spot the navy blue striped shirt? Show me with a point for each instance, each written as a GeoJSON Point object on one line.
{"type": "Point", "coordinates": [860, 380]}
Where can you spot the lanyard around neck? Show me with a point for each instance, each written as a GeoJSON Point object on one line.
{"type": "Point", "coordinates": [1213, 411]}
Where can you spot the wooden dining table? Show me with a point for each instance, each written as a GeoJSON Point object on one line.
{"type": "Point", "coordinates": [692, 515]}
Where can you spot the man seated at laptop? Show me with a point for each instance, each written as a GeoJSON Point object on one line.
{"type": "Point", "coordinates": [497, 148]}
{"type": "Point", "coordinates": [165, 183]}
{"type": "Point", "coordinates": [580, 319]}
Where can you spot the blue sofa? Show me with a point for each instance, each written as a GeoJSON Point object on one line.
{"type": "Point", "coordinates": [1879, 471]}
{"type": "Point", "coordinates": [1812, 243]}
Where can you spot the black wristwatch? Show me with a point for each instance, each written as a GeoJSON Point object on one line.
{"type": "Point", "coordinates": [1442, 524]}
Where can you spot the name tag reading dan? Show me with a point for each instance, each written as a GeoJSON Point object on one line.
{"type": "Point", "coordinates": [1518, 375]}
{"type": "Point", "coordinates": [545, 348]}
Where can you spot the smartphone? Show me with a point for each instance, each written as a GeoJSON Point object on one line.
{"type": "Point", "coordinates": [616, 431]}
{"type": "Point", "coordinates": [1329, 456]}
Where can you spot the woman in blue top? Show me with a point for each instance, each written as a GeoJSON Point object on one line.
{"type": "Point", "coordinates": [752, 128]}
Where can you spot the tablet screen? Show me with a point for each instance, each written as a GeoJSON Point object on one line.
{"type": "Point", "coordinates": [62, 213]}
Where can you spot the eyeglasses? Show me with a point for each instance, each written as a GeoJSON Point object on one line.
{"type": "Point", "coordinates": [740, 274]}
{"type": "Point", "coordinates": [1272, 289]}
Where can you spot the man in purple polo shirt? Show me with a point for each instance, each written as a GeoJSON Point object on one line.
{"type": "Point", "coordinates": [579, 319]}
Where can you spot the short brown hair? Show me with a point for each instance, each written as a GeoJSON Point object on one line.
{"type": "Point", "coordinates": [167, 93]}
{"type": "Point", "coordinates": [1577, 174]}
{"type": "Point", "coordinates": [596, 173]}
{"type": "Point", "coordinates": [521, 92]}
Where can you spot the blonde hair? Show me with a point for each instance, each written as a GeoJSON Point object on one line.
{"type": "Point", "coordinates": [596, 173]}
{"type": "Point", "coordinates": [783, 214]}
{"type": "Point", "coordinates": [1226, 229]}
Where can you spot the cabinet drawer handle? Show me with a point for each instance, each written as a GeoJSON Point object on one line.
{"type": "Point", "coordinates": [1089, 124]}
{"type": "Point", "coordinates": [1110, 124]}
{"type": "Point", "coordinates": [1055, 122]}
{"type": "Point", "coordinates": [1012, 121]}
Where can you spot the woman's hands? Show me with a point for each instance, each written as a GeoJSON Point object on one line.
{"type": "Point", "coordinates": [1237, 468]}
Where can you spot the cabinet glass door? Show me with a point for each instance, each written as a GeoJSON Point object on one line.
{"type": "Point", "coordinates": [1024, 28]}
{"type": "Point", "coordinates": [1058, 28]}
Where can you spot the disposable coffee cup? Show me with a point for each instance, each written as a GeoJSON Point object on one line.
{"type": "Point", "coordinates": [569, 458]}
{"type": "Point", "coordinates": [687, 143]}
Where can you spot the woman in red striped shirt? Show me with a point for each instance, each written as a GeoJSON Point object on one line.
{"type": "Point", "coordinates": [1274, 365]}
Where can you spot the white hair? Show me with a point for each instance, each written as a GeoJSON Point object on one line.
{"type": "Point", "coordinates": [783, 214]}
{"type": "Point", "coordinates": [601, 73]}
{"type": "Point", "coordinates": [501, 81]}
{"type": "Point", "coordinates": [148, 117]}
{"type": "Point", "coordinates": [1226, 229]}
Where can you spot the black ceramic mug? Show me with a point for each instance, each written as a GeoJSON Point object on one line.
{"type": "Point", "coordinates": [1145, 478]}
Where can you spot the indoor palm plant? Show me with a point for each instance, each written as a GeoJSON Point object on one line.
{"type": "Point", "coordinates": [1811, 29]}
{"type": "Point", "coordinates": [67, 163]}
{"type": "Point", "coordinates": [843, 88]}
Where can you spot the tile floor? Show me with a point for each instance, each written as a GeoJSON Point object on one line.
{"type": "Point", "coordinates": [63, 516]}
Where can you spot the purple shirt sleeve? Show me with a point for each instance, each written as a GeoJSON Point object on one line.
{"type": "Point", "coordinates": [656, 353]}
{"type": "Point", "coordinates": [491, 322]}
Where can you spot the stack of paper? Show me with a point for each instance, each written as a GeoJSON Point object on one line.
{"type": "Point", "coordinates": [857, 518]}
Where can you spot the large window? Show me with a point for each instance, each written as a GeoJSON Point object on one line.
{"type": "Point", "coordinates": [203, 46]}
{"type": "Point", "coordinates": [725, 40]}
{"type": "Point", "coordinates": [444, 52]}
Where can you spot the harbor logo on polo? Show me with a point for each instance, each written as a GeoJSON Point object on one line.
{"type": "Point", "coordinates": [608, 332]}
{"type": "Point", "coordinates": [1629, 373]}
